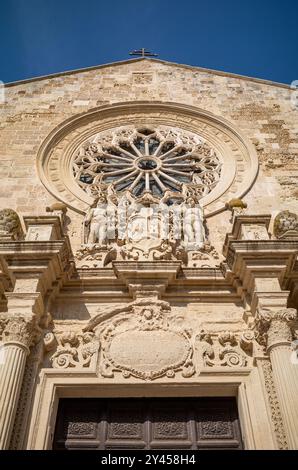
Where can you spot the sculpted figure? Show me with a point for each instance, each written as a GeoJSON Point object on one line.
{"type": "Point", "coordinates": [193, 228]}
{"type": "Point", "coordinates": [126, 207]}
{"type": "Point", "coordinates": [96, 222]}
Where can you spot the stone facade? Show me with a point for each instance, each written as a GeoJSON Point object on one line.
{"type": "Point", "coordinates": [94, 308]}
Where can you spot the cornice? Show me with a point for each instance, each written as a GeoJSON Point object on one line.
{"type": "Point", "coordinates": [158, 61]}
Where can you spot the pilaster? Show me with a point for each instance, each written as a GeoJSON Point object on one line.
{"type": "Point", "coordinates": [33, 269]}
{"type": "Point", "coordinates": [276, 328]}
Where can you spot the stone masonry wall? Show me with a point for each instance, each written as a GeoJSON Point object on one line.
{"type": "Point", "coordinates": [262, 111]}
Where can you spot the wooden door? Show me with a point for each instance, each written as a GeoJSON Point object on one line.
{"type": "Point", "coordinates": [147, 423]}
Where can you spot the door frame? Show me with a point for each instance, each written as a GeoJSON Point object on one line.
{"type": "Point", "coordinates": [245, 385]}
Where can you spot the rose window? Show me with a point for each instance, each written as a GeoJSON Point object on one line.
{"type": "Point", "coordinates": [146, 159]}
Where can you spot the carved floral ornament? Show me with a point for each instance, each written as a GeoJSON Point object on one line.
{"type": "Point", "coordinates": [275, 327]}
{"type": "Point", "coordinates": [19, 329]}
{"type": "Point", "coordinates": [147, 148]}
{"type": "Point", "coordinates": [225, 349]}
{"type": "Point", "coordinates": [143, 340]}
{"type": "Point", "coordinates": [72, 349]}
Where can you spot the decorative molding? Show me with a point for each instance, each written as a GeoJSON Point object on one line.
{"type": "Point", "coordinates": [25, 401]}
{"type": "Point", "coordinates": [239, 169]}
{"type": "Point", "coordinates": [74, 350]}
{"type": "Point", "coordinates": [275, 327]}
{"type": "Point", "coordinates": [224, 349]}
{"type": "Point", "coordinates": [118, 227]}
{"type": "Point", "coordinates": [95, 256]}
{"type": "Point", "coordinates": [146, 345]}
{"type": "Point", "coordinates": [128, 308]}
{"type": "Point", "coordinates": [19, 329]}
{"type": "Point", "coordinates": [276, 416]}
{"type": "Point", "coordinates": [146, 159]}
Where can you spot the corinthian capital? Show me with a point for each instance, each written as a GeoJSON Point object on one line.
{"type": "Point", "coordinates": [275, 326]}
{"type": "Point", "coordinates": [19, 329]}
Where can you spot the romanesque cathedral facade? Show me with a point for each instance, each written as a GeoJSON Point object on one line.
{"type": "Point", "coordinates": [148, 260]}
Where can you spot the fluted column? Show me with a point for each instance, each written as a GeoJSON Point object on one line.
{"type": "Point", "coordinates": [18, 333]}
{"type": "Point", "coordinates": [277, 327]}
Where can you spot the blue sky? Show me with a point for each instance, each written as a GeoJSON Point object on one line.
{"type": "Point", "coordinates": [254, 38]}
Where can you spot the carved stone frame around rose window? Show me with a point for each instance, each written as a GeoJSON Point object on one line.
{"type": "Point", "coordinates": [240, 162]}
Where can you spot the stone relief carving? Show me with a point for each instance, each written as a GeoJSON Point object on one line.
{"type": "Point", "coordinates": [147, 201]}
{"type": "Point", "coordinates": [206, 349]}
{"type": "Point", "coordinates": [286, 225]}
{"type": "Point", "coordinates": [207, 256]}
{"type": "Point", "coordinates": [96, 223]}
{"type": "Point", "coordinates": [95, 256]}
{"type": "Point", "coordinates": [20, 329]}
{"type": "Point", "coordinates": [144, 228]}
{"type": "Point", "coordinates": [10, 225]}
{"type": "Point", "coordinates": [194, 231]}
{"type": "Point", "coordinates": [234, 153]}
{"type": "Point", "coordinates": [146, 344]}
{"type": "Point", "coordinates": [274, 405]}
{"type": "Point", "coordinates": [73, 349]}
{"type": "Point", "coordinates": [224, 349]}
{"type": "Point", "coordinates": [143, 339]}
{"type": "Point", "coordinates": [137, 339]}
{"type": "Point", "coordinates": [274, 327]}
{"type": "Point", "coordinates": [254, 232]}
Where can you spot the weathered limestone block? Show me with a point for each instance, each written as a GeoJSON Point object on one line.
{"type": "Point", "coordinates": [10, 225]}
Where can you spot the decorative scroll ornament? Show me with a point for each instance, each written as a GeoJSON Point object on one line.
{"type": "Point", "coordinates": [225, 350]}
{"type": "Point", "coordinates": [74, 349]}
{"type": "Point", "coordinates": [10, 225]}
{"type": "Point", "coordinates": [286, 225]}
{"type": "Point", "coordinates": [145, 344]}
{"type": "Point", "coordinates": [230, 354]}
{"type": "Point", "coordinates": [19, 329]}
{"type": "Point", "coordinates": [146, 160]}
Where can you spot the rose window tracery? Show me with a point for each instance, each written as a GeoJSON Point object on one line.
{"type": "Point", "coordinates": [146, 159]}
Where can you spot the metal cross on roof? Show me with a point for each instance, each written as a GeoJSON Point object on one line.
{"type": "Point", "coordinates": [143, 53]}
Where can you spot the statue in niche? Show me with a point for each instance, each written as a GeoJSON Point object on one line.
{"type": "Point", "coordinates": [193, 226]}
{"type": "Point", "coordinates": [96, 223]}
